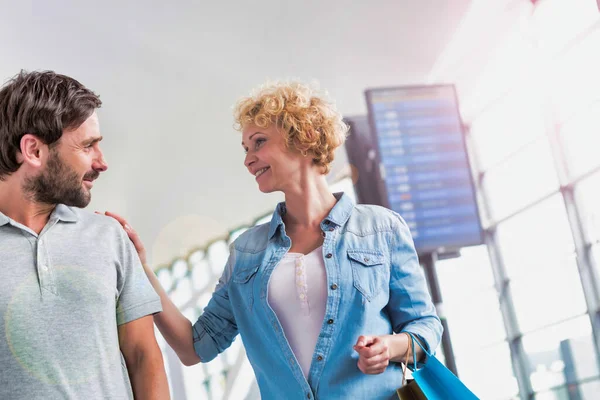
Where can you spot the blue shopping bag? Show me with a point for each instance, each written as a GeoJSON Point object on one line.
{"type": "Point", "coordinates": [435, 381]}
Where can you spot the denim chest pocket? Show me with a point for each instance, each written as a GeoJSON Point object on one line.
{"type": "Point", "coordinates": [244, 285]}
{"type": "Point", "coordinates": [368, 271]}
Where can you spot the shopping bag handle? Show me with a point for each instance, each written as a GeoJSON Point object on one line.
{"type": "Point", "coordinates": [413, 340]}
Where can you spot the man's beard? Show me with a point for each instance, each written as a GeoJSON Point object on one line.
{"type": "Point", "coordinates": [59, 183]}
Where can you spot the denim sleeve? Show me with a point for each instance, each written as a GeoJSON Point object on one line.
{"type": "Point", "coordinates": [216, 328]}
{"type": "Point", "coordinates": [410, 306]}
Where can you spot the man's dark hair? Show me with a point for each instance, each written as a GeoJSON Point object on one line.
{"type": "Point", "coordinates": [43, 104]}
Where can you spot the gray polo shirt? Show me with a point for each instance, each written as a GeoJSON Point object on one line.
{"type": "Point", "coordinates": [63, 293]}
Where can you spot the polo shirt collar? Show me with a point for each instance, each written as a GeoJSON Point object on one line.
{"type": "Point", "coordinates": [3, 219]}
{"type": "Point", "coordinates": [64, 213]}
{"type": "Point", "coordinates": [61, 213]}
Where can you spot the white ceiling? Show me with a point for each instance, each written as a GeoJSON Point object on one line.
{"type": "Point", "coordinates": [169, 73]}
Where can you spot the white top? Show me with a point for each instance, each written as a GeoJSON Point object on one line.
{"type": "Point", "coordinates": [298, 294]}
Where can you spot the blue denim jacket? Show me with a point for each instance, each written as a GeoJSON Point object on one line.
{"type": "Point", "coordinates": [375, 287]}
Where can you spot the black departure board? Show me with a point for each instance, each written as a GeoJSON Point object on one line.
{"type": "Point", "coordinates": [424, 164]}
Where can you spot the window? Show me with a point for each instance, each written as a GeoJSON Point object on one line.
{"type": "Point", "coordinates": [548, 297]}
{"type": "Point", "coordinates": [525, 177]}
{"type": "Point", "coordinates": [470, 301]}
{"type": "Point", "coordinates": [488, 372]}
{"type": "Point", "coordinates": [581, 139]}
{"type": "Point", "coordinates": [574, 77]}
{"type": "Point", "coordinates": [553, 350]}
{"type": "Point", "coordinates": [536, 238]}
{"type": "Point", "coordinates": [555, 23]}
{"type": "Point", "coordinates": [508, 125]}
{"type": "Point", "coordinates": [588, 194]}
{"type": "Point", "coordinates": [590, 390]}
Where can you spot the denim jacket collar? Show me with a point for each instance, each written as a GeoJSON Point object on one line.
{"type": "Point", "coordinates": [339, 214]}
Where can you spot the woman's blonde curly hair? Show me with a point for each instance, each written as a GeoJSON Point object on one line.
{"type": "Point", "coordinates": [310, 123]}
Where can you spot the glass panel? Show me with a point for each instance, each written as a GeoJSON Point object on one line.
{"type": "Point", "coordinates": [582, 351]}
{"type": "Point", "coordinates": [549, 362]}
{"type": "Point", "coordinates": [590, 390]}
{"type": "Point", "coordinates": [180, 269]}
{"type": "Point", "coordinates": [497, 134]}
{"type": "Point", "coordinates": [523, 178]}
{"type": "Point", "coordinates": [581, 140]}
{"type": "Point", "coordinates": [557, 394]}
{"type": "Point", "coordinates": [510, 57]}
{"type": "Point", "coordinates": [218, 253]}
{"type": "Point", "coordinates": [195, 382]}
{"type": "Point", "coordinates": [472, 266]}
{"type": "Point", "coordinates": [201, 274]}
{"type": "Point", "coordinates": [588, 194]}
{"type": "Point", "coordinates": [217, 386]}
{"type": "Point", "coordinates": [165, 278]}
{"type": "Point", "coordinates": [488, 372]}
{"type": "Point", "coordinates": [203, 300]}
{"type": "Point", "coordinates": [182, 293]}
{"type": "Point", "coordinates": [474, 321]}
{"type": "Point", "coordinates": [596, 258]}
{"type": "Point", "coordinates": [555, 23]}
{"type": "Point", "coordinates": [574, 76]}
{"type": "Point", "coordinates": [535, 238]}
{"type": "Point", "coordinates": [548, 297]}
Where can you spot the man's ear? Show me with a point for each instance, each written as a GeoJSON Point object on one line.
{"type": "Point", "coordinates": [33, 150]}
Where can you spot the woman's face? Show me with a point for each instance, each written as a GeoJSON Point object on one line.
{"type": "Point", "coordinates": [274, 166]}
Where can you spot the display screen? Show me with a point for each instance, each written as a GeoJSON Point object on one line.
{"type": "Point", "coordinates": [424, 164]}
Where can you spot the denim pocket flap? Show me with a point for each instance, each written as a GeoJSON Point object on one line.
{"type": "Point", "coordinates": [368, 258]}
{"type": "Point", "coordinates": [244, 275]}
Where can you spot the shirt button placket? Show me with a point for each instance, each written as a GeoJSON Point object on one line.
{"type": "Point", "coordinates": [44, 274]}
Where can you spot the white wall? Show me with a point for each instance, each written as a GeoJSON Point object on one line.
{"type": "Point", "coordinates": [169, 73]}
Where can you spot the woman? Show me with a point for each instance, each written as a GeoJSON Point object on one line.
{"type": "Point", "coordinates": [318, 293]}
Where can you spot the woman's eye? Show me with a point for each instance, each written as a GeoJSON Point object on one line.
{"type": "Point", "coordinates": [259, 142]}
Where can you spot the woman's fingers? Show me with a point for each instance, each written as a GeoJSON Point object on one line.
{"type": "Point", "coordinates": [133, 236]}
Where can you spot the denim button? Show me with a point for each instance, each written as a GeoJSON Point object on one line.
{"type": "Point", "coordinates": [334, 286]}
{"type": "Point", "coordinates": [329, 255]}
{"type": "Point", "coordinates": [330, 321]}
{"type": "Point", "coordinates": [319, 358]}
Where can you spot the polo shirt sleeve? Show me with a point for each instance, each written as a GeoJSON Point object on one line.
{"type": "Point", "coordinates": [135, 296]}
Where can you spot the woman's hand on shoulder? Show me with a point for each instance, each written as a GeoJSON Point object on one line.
{"type": "Point", "coordinates": [139, 246]}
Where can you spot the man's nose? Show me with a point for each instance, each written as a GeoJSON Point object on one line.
{"type": "Point", "coordinates": [100, 164]}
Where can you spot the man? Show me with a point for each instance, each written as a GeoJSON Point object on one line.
{"type": "Point", "coordinates": [75, 305]}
